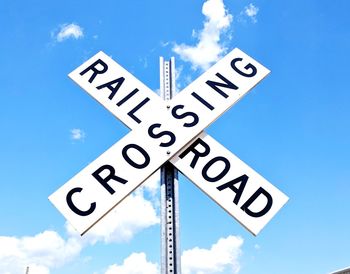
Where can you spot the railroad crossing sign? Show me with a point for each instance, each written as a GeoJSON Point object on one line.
{"type": "Point", "coordinates": [172, 131]}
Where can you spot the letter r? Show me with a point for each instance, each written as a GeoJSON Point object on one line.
{"type": "Point", "coordinates": [95, 70]}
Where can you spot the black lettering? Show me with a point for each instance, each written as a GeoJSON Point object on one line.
{"type": "Point", "coordinates": [200, 99]}
{"type": "Point", "coordinates": [127, 97]}
{"type": "Point", "coordinates": [140, 105]}
{"type": "Point", "coordinates": [74, 208]}
{"type": "Point", "coordinates": [251, 200]}
{"type": "Point", "coordinates": [184, 115]}
{"type": "Point", "coordinates": [110, 176]}
{"type": "Point", "coordinates": [227, 84]}
{"type": "Point", "coordinates": [247, 67]}
{"type": "Point", "coordinates": [133, 163]}
{"type": "Point", "coordinates": [109, 85]}
{"type": "Point", "coordinates": [161, 134]}
{"type": "Point", "coordinates": [231, 185]}
{"type": "Point", "coordinates": [93, 67]}
{"type": "Point", "coordinates": [221, 174]}
{"type": "Point", "coordinates": [196, 154]}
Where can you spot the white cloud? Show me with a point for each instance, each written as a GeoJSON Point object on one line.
{"type": "Point", "coordinates": [251, 11]}
{"type": "Point", "coordinates": [131, 216]}
{"type": "Point", "coordinates": [151, 186]}
{"type": "Point", "coordinates": [40, 253]}
{"type": "Point", "coordinates": [48, 250]}
{"type": "Point", "coordinates": [136, 263]}
{"type": "Point", "coordinates": [77, 134]}
{"type": "Point", "coordinates": [69, 31]}
{"type": "Point", "coordinates": [208, 49]}
{"type": "Point", "coordinates": [222, 256]}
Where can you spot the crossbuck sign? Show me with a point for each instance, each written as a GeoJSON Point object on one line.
{"type": "Point", "coordinates": [172, 131]}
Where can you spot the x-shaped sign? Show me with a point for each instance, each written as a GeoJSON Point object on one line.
{"type": "Point", "coordinates": [168, 131]}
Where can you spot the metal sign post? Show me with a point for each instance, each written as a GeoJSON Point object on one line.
{"type": "Point", "coordinates": [170, 223]}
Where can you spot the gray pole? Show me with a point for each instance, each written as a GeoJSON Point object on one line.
{"type": "Point", "coordinates": [169, 189]}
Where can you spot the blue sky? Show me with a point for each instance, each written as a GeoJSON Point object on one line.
{"type": "Point", "coordinates": [293, 128]}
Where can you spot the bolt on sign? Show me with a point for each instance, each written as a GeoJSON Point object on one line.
{"type": "Point", "coordinates": [172, 131]}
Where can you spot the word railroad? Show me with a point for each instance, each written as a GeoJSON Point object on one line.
{"type": "Point", "coordinates": [168, 131]}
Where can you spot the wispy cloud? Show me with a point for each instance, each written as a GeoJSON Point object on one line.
{"type": "Point", "coordinates": [251, 11]}
{"type": "Point", "coordinates": [209, 47]}
{"type": "Point", "coordinates": [67, 31]}
{"type": "Point", "coordinates": [77, 134]}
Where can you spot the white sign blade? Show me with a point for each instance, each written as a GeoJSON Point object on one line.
{"type": "Point", "coordinates": [231, 183]}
